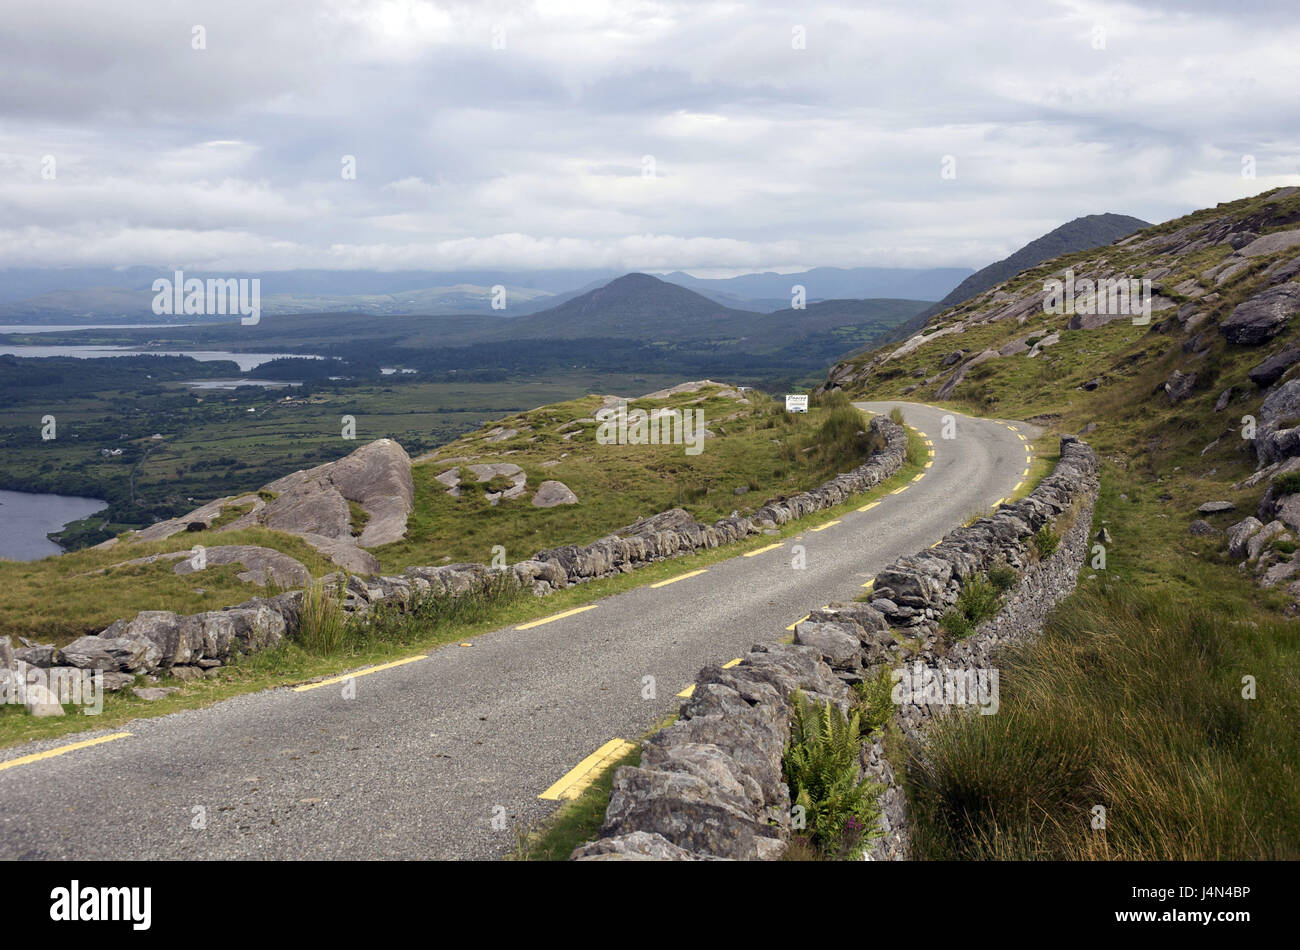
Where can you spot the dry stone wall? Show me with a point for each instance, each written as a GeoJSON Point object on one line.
{"type": "Point", "coordinates": [711, 787]}
{"type": "Point", "coordinates": [188, 646]}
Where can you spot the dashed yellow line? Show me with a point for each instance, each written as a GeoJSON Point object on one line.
{"type": "Point", "coordinates": [366, 672]}
{"type": "Point", "coordinates": [728, 665]}
{"type": "Point", "coordinates": [1025, 473]}
{"type": "Point", "coordinates": [999, 502]}
{"type": "Point", "coordinates": [554, 617]}
{"type": "Point", "coordinates": [928, 464]}
{"type": "Point", "coordinates": [903, 489]}
{"type": "Point", "coordinates": [869, 507]}
{"type": "Point", "coordinates": [918, 476]}
{"type": "Point", "coordinates": [920, 433]}
{"type": "Point", "coordinates": [799, 621]}
{"type": "Point", "coordinates": [687, 692]}
{"type": "Point", "coordinates": [770, 547]}
{"type": "Point", "coordinates": [577, 779]}
{"type": "Point", "coordinates": [1017, 488]}
{"type": "Point", "coordinates": [1014, 429]}
{"type": "Point", "coordinates": [60, 750]}
{"type": "Point", "coordinates": [823, 527]}
{"type": "Point", "coordinates": [869, 584]}
{"type": "Point", "coordinates": [680, 577]}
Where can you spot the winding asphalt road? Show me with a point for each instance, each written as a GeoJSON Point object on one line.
{"type": "Point", "coordinates": [425, 757]}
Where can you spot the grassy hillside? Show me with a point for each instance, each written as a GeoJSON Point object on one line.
{"type": "Point", "coordinates": [757, 449]}
{"type": "Point", "coordinates": [1133, 699]}
{"type": "Point", "coordinates": [1081, 234]}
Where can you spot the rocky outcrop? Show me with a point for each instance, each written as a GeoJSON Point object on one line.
{"type": "Point", "coordinates": [1263, 316]}
{"type": "Point", "coordinates": [156, 641]}
{"type": "Point", "coordinates": [551, 493]}
{"type": "Point", "coordinates": [313, 505]}
{"type": "Point", "coordinates": [1277, 435]}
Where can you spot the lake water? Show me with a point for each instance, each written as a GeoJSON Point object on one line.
{"type": "Point", "coordinates": [26, 518]}
{"type": "Point", "coordinates": [235, 383]}
{"type": "Point", "coordinates": [65, 328]}
{"type": "Point", "coordinates": [246, 361]}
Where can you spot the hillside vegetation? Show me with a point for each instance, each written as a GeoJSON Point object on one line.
{"type": "Point", "coordinates": [1135, 698]}
{"type": "Point", "coordinates": [755, 451]}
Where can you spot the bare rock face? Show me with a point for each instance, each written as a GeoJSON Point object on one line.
{"type": "Point", "coordinates": [1278, 434]}
{"type": "Point", "coordinates": [1263, 316]}
{"type": "Point", "coordinates": [376, 476]}
{"type": "Point", "coordinates": [1179, 386]}
{"type": "Point", "coordinates": [551, 493]}
{"type": "Point", "coordinates": [262, 565]}
{"type": "Point", "coordinates": [1270, 371]}
{"type": "Point", "coordinates": [313, 504]}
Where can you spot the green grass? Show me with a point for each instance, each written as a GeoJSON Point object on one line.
{"type": "Point", "coordinates": [1132, 699]}
{"type": "Point", "coordinates": [60, 598]}
{"type": "Point", "coordinates": [979, 600]}
{"type": "Point", "coordinates": [393, 637]}
{"type": "Point", "coordinates": [1133, 703]}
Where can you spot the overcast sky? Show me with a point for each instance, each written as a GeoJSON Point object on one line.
{"type": "Point", "coordinates": [765, 156]}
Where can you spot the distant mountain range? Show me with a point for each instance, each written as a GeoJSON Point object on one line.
{"type": "Point", "coordinates": [73, 295]}
{"type": "Point", "coordinates": [1081, 234]}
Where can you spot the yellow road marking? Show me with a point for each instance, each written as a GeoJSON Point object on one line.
{"type": "Point", "coordinates": [1025, 473]}
{"type": "Point", "coordinates": [870, 584]}
{"type": "Point", "coordinates": [366, 672]}
{"type": "Point", "coordinates": [799, 621]}
{"type": "Point", "coordinates": [729, 665]}
{"type": "Point", "coordinates": [897, 490]}
{"type": "Point", "coordinates": [929, 443]}
{"type": "Point", "coordinates": [920, 433]}
{"type": "Point", "coordinates": [1022, 438]}
{"type": "Point", "coordinates": [999, 502]}
{"type": "Point", "coordinates": [869, 507]}
{"type": "Point", "coordinates": [60, 750]}
{"type": "Point", "coordinates": [1014, 429]}
{"type": "Point", "coordinates": [680, 577]}
{"type": "Point", "coordinates": [770, 547]}
{"type": "Point", "coordinates": [919, 476]}
{"type": "Point", "coordinates": [1017, 488]}
{"type": "Point", "coordinates": [823, 527]}
{"type": "Point", "coordinates": [577, 779]}
{"type": "Point", "coordinates": [687, 692]}
{"type": "Point", "coordinates": [560, 616]}
{"type": "Point", "coordinates": [928, 464]}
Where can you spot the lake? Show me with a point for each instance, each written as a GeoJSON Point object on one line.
{"type": "Point", "coordinates": [26, 518]}
{"type": "Point", "coordinates": [246, 361]}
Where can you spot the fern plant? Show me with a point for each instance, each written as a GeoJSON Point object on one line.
{"type": "Point", "coordinates": [821, 767]}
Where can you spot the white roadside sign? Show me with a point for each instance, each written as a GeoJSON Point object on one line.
{"type": "Point", "coordinates": [796, 403]}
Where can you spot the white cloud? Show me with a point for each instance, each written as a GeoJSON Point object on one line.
{"type": "Point", "coordinates": [767, 157]}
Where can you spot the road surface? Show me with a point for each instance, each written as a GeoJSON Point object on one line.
{"type": "Point", "coordinates": [428, 753]}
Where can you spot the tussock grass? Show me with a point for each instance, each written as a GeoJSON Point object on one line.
{"type": "Point", "coordinates": [322, 622]}
{"type": "Point", "coordinates": [1135, 704]}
